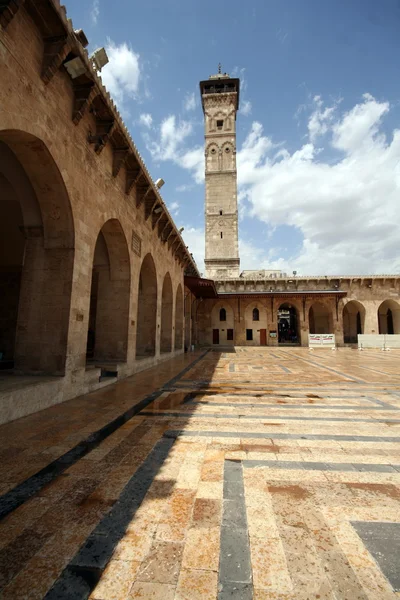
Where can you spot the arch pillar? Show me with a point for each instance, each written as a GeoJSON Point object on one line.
{"type": "Point", "coordinates": [371, 324]}
{"type": "Point", "coordinates": [338, 323]}
{"type": "Point", "coordinates": [44, 306]}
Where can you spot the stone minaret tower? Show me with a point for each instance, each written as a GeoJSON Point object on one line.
{"type": "Point", "coordinates": [220, 101]}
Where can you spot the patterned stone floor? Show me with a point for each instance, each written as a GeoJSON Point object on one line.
{"type": "Point", "coordinates": [256, 474]}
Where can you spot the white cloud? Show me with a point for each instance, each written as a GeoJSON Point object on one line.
{"type": "Point", "coordinates": [245, 108]}
{"type": "Point", "coordinates": [146, 120]}
{"type": "Point", "coordinates": [320, 119]}
{"type": "Point", "coordinates": [170, 145]}
{"type": "Point", "coordinates": [357, 131]}
{"type": "Point", "coordinates": [190, 101]}
{"type": "Point", "coordinates": [174, 208]}
{"type": "Point", "coordinates": [95, 11]}
{"type": "Point", "coordinates": [122, 74]}
{"type": "Point", "coordinates": [348, 210]}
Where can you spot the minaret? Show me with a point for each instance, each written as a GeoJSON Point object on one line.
{"type": "Point", "coordinates": [220, 101]}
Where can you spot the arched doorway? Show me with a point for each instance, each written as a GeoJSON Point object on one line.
{"type": "Point", "coordinates": [109, 296]}
{"type": "Point", "coordinates": [36, 257]}
{"type": "Point", "coordinates": [320, 319]}
{"type": "Point", "coordinates": [147, 309]}
{"type": "Point", "coordinates": [288, 325]}
{"type": "Point", "coordinates": [353, 321]}
{"type": "Point", "coordinates": [179, 316]}
{"type": "Point", "coordinates": [389, 317]}
{"type": "Point", "coordinates": [166, 315]}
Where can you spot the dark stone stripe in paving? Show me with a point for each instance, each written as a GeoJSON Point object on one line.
{"type": "Point", "coordinates": [193, 415]}
{"type": "Point", "coordinates": [382, 540]}
{"type": "Point", "coordinates": [81, 575]}
{"type": "Point", "coordinates": [280, 436]}
{"type": "Point", "coordinates": [235, 577]}
{"type": "Point", "coordinates": [319, 466]}
{"type": "Point", "coordinates": [28, 488]}
{"type": "Point", "coordinates": [285, 369]}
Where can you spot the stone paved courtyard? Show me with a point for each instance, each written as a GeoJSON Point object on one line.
{"type": "Point", "coordinates": [261, 473]}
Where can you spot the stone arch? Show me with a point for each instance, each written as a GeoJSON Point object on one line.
{"type": "Point", "coordinates": [147, 309]}
{"type": "Point", "coordinates": [227, 156]}
{"type": "Point", "coordinates": [109, 295]}
{"type": "Point", "coordinates": [212, 157]}
{"type": "Point", "coordinates": [389, 317]}
{"type": "Point", "coordinates": [255, 326]}
{"type": "Point", "coordinates": [353, 321]}
{"type": "Point", "coordinates": [166, 315]}
{"type": "Point", "coordinates": [36, 256]}
{"type": "Point", "coordinates": [320, 318]}
{"type": "Point", "coordinates": [179, 318]}
{"type": "Point", "coordinates": [223, 326]}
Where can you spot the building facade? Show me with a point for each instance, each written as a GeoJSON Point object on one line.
{"type": "Point", "coordinates": [92, 265]}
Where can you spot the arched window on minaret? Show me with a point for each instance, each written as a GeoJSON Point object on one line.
{"type": "Point", "coordinates": [256, 314]}
{"type": "Point", "coordinates": [222, 314]}
{"type": "Point", "coordinates": [212, 158]}
{"type": "Point", "coordinates": [227, 157]}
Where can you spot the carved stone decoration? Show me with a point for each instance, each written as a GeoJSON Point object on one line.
{"type": "Point", "coordinates": [151, 202]}
{"type": "Point", "coordinates": [155, 217]}
{"type": "Point", "coordinates": [100, 138]}
{"type": "Point", "coordinates": [8, 10]}
{"type": "Point", "coordinates": [119, 157]}
{"type": "Point", "coordinates": [141, 192]}
{"type": "Point", "coordinates": [212, 100]}
{"type": "Point", "coordinates": [132, 176]}
{"type": "Point", "coordinates": [82, 96]}
{"type": "Point", "coordinates": [54, 52]}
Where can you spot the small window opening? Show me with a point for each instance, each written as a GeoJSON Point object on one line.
{"type": "Point", "coordinates": [256, 314]}
{"type": "Point", "coordinates": [222, 314]}
{"type": "Point", "coordinates": [249, 335]}
{"type": "Point", "coordinates": [220, 124]}
{"type": "Point", "coordinates": [221, 235]}
{"type": "Point", "coordinates": [220, 212]}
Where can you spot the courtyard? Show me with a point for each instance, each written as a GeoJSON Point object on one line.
{"type": "Point", "coordinates": [264, 473]}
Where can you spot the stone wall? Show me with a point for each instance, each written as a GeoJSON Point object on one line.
{"type": "Point", "coordinates": [79, 191]}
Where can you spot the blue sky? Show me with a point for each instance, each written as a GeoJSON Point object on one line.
{"type": "Point", "coordinates": [318, 156]}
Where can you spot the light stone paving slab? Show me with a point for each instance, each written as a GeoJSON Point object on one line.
{"type": "Point", "coordinates": [153, 511]}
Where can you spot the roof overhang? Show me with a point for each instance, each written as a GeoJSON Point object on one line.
{"type": "Point", "coordinates": [201, 288]}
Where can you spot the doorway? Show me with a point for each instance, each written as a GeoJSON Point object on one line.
{"type": "Point", "coordinates": [215, 336]}
{"type": "Point", "coordinates": [288, 332]}
{"type": "Point", "coordinates": [263, 337]}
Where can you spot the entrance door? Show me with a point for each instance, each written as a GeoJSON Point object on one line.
{"type": "Point", "coordinates": [263, 337]}
{"type": "Point", "coordinates": [215, 336]}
